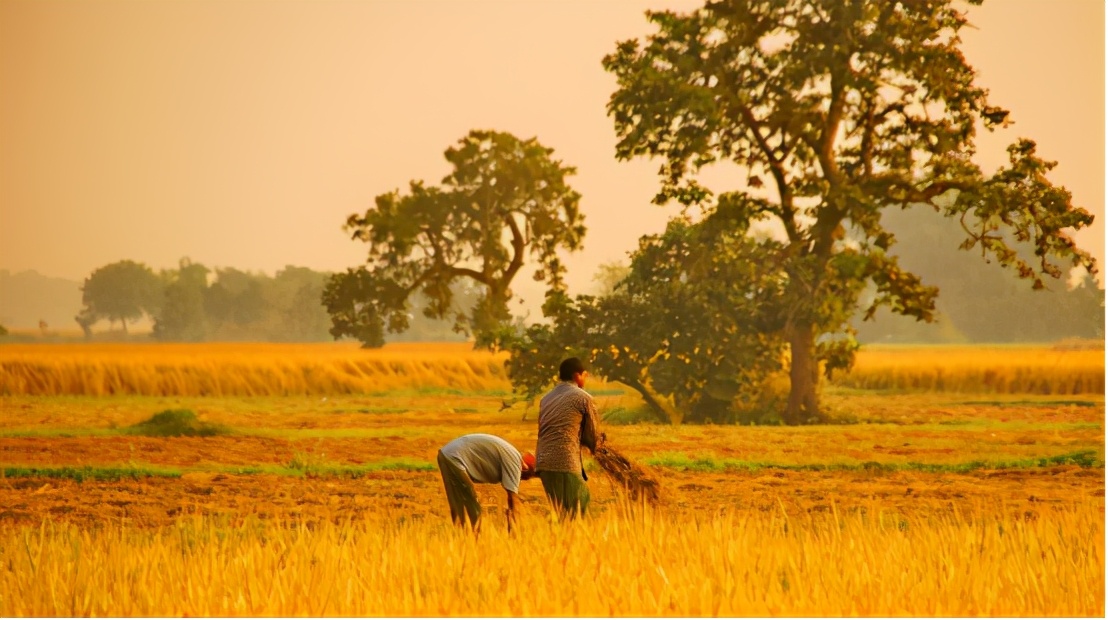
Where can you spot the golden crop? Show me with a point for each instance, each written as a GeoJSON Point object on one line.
{"type": "Point", "coordinates": [226, 369]}
{"type": "Point", "coordinates": [620, 563]}
{"type": "Point", "coordinates": [917, 539]}
{"type": "Point", "coordinates": [979, 369]}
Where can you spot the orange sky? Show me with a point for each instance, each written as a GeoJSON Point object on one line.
{"type": "Point", "coordinates": [242, 133]}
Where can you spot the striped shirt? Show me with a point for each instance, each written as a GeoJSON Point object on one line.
{"type": "Point", "coordinates": [567, 421]}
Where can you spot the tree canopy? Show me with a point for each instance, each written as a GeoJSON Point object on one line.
{"type": "Point", "coordinates": [196, 303]}
{"type": "Point", "coordinates": [686, 327]}
{"type": "Point", "coordinates": [122, 291]}
{"type": "Point", "coordinates": [183, 317]}
{"type": "Point", "coordinates": [505, 201]}
{"type": "Point", "coordinates": [835, 110]}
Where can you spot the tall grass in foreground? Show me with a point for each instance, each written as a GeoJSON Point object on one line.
{"type": "Point", "coordinates": [732, 564]}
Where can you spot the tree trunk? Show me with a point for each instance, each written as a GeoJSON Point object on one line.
{"type": "Point", "coordinates": [803, 376]}
{"type": "Point", "coordinates": [657, 403]}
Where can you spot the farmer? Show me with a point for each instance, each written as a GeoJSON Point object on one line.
{"type": "Point", "coordinates": [484, 459]}
{"type": "Point", "coordinates": [567, 421]}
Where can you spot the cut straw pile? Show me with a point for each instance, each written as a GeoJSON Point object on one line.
{"type": "Point", "coordinates": [638, 482]}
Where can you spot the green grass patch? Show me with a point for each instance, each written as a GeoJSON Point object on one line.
{"type": "Point", "coordinates": [295, 434]}
{"type": "Point", "coordinates": [99, 474]}
{"type": "Point", "coordinates": [176, 423]}
{"type": "Point", "coordinates": [292, 434]}
{"type": "Point", "coordinates": [683, 462]}
{"type": "Point", "coordinates": [972, 424]}
{"type": "Point", "coordinates": [58, 433]}
{"type": "Point", "coordinates": [437, 391]}
{"type": "Point", "coordinates": [1031, 403]}
{"type": "Point", "coordinates": [620, 415]}
{"type": "Point", "coordinates": [703, 463]}
{"type": "Point", "coordinates": [306, 466]}
{"type": "Point", "coordinates": [373, 410]}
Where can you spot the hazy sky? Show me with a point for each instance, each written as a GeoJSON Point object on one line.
{"type": "Point", "coordinates": [242, 133]}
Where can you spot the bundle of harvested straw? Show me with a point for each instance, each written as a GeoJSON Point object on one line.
{"type": "Point", "coordinates": [638, 482]}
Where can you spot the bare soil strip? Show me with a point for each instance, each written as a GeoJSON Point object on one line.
{"type": "Point", "coordinates": [154, 501]}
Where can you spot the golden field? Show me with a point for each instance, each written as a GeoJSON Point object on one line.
{"type": "Point", "coordinates": [320, 497]}
{"type": "Point", "coordinates": [218, 369]}
{"type": "Point", "coordinates": [343, 368]}
{"type": "Point", "coordinates": [731, 564]}
{"type": "Point", "coordinates": [998, 369]}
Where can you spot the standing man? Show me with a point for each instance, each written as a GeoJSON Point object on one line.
{"type": "Point", "coordinates": [484, 459]}
{"type": "Point", "coordinates": [567, 421]}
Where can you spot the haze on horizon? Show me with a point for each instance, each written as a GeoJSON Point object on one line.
{"type": "Point", "coordinates": [242, 134]}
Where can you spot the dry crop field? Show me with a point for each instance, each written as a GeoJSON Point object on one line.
{"type": "Point", "coordinates": [955, 481]}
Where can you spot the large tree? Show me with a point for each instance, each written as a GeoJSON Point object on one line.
{"type": "Point", "coordinates": [841, 108]}
{"type": "Point", "coordinates": [506, 200]}
{"type": "Point", "coordinates": [686, 326]}
{"type": "Point", "coordinates": [122, 291]}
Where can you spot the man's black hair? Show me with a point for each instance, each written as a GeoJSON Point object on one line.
{"type": "Point", "coordinates": [569, 368]}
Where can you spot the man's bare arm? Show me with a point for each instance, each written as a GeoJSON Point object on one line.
{"type": "Point", "coordinates": [511, 512]}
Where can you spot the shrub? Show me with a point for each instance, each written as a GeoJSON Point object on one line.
{"type": "Point", "coordinates": [176, 423]}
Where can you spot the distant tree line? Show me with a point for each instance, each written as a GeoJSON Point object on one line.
{"type": "Point", "coordinates": [978, 301]}
{"type": "Point", "coordinates": [195, 303]}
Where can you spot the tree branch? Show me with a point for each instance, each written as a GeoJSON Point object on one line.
{"type": "Point", "coordinates": [784, 190]}
{"type": "Point", "coordinates": [518, 245]}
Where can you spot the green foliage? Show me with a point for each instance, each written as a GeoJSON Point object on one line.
{"type": "Point", "coordinates": [176, 423]}
{"type": "Point", "coordinates": [620, 415]}
{"type": "Point", "coordinates": [285, 308]}
{"type": "Point", "coordinates": [183, 316]}
{"type": "Point", "coordinates": [505, 200]}
{"type": "Point", "coordinates": [122, 291]}
{"type": "Point", "coordinates": [296, 313]}
{"type": "Point", "coordinates": [235, 298]}
{"type": "Point", "coordinates": [691, 327]}
{"type": "Point", "coordinates": [348, 298]}
{"type": "Point", "coordinates": [708, 463]}
{"type": "Point", "coordinates": [315, 465]}
{"type": "Point", "coordinates": [844, 109]}
{"type": "Point", "coordinates": [235, 305]}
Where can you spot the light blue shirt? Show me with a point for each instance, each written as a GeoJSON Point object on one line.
{"type": "Point", "coordinates": [487, 459]}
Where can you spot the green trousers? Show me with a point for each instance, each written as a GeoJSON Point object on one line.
{"type": "Point", "coordinates": [459, 492]}
{"type": "Point", "coordinates": [566, 491]}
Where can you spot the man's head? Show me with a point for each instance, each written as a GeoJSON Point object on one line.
{"type": "Point", "coordinates": [573, 369]}
{"type": "Point", "coordinates": [528, 466]}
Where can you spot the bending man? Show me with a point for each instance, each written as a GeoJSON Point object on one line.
{"type": "Point", "coordinates": [484, 459]}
